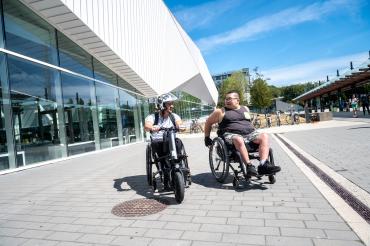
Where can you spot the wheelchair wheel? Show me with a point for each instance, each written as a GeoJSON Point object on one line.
{"type": "Point", "coordinates": [236, 183]}
{"type": "Point", "coordinates": [272, 179]}
{"type": "Point", "coordinates": [149, 168]}
{"type": "Point", "coordinates": [219, 160]}
{"type": "Point", "coordinates": [179, 187]}
{"type": "Point", "coordinates": [187, 175]}
{"type": "Point", "coordinates": [271, 157]}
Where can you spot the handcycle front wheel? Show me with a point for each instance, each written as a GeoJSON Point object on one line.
{"type": "Point", "coordinates": [178, 187]}
{"type": "Point", "coordinates": [219, 159]}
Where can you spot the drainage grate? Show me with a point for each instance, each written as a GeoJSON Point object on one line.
{"type": "Point", "coordinates": [138, 207]}
{"type": "Point", "coordinates": [356, 204]}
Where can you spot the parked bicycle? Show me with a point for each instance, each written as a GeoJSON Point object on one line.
{"type": "Point", "coordinates": [195, 126]}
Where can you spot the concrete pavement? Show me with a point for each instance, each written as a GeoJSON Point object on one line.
{"type": "Point", "coordinates": [70, 202]}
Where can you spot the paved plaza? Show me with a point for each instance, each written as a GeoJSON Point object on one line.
{"type": "Point", "coordinates": [70, 202]}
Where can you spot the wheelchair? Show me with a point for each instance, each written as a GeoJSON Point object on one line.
{"type": "Point", "coordinates": [175, 165]}
{"type": "Point", "coordinates": [222, 155]}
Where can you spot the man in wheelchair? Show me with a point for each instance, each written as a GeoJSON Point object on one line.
{"type": "Point", "coordinates": [236, 128]}
{"type": "Point", "coordinates": [163, 118]}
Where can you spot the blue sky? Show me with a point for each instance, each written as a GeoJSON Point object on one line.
{"type": "Point", "coordinates": [289, 41]}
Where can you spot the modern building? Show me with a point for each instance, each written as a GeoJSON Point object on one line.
{"type": "Point", "coordinates": [76, 75]}
{"type": "Point", "coordinates": [221, 77]}
{"type": "Point", "coordinates": [335, 93]}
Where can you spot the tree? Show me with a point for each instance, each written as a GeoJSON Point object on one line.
{"type": "Point", "coordinates": [260, 94]}
{"type": "Point", "coordinates": [292, 91]}
{"type": "Point", "coordinates": [275, 91]}
{"type": "Point", "coordinates": [235, 82]}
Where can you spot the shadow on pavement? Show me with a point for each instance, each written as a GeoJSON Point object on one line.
{"type": "Point", "coordinates": [360, 127]}
{"type": "Point", "coordinates": [138, 183]}
{"type": "Point", "coordinates": [209, 181]}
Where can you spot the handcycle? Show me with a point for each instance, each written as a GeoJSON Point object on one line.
{"type": "Point", "coordinates": [222, 155]}
{"type": "Point", "coordinates": [175, 165]}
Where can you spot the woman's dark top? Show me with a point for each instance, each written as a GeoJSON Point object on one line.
{"type": "Point", "coordinates": [236, 121]}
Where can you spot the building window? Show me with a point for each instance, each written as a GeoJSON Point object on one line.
{"type": "Point", "coordinates": [78, 110]}
{"type": "Point", "coordinates": [124, 84]}
{"type": "Point", "coordinates": [28, 34]}
{"type": "Point", "coordinates": [73, 57]}
{"type": "Point", "coordinates": [34, 111]}
{"type": "Point", "coordinates": [102, 73]}
{"type": "Point", "coordinates": [4, 161]}
{"type": "Point", "coordinates": [129, 116]}
{"type": "Point", "coordinates": [107, 97]}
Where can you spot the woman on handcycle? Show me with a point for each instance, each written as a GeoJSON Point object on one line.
{"type": "Point", "coordinates": [236, 128]}
{"type": "Point", "coordinates": [154, 123]}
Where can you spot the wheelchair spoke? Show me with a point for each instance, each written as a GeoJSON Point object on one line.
{"type": "Point", "coordinates": [218, 165]}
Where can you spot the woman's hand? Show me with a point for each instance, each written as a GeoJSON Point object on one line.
{"type": "Point", "coordinates": [155, 128]}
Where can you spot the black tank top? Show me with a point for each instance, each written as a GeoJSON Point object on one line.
{"type": "Point", "coordinates": [236, 121]}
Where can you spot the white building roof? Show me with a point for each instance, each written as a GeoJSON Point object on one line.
{"type": "Point", "coordinates": [141, 41]}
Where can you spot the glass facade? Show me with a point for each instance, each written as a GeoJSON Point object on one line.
{"type": "Point", "coordinates": [189, 107]}
{"type": "Point", "coordinates": [47, 112]}
{"type": "Point", "coordinates": [56, 100]}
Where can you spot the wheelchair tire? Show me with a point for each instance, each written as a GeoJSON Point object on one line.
{"type": "Point", "coordinates": [179, 187]}
{"type": "Point", "coordinates": [236, 183]}
{"type": "Point", "coordinates": [272, 179]}
{"type": "Point", "coordinates": [149, 167]}
{"type": "Point", "coordinates": [219, 159]}
{"type": "Point", "coordinates": [271, 157]}
{"type": "Point", "coordinates": [187, 176]}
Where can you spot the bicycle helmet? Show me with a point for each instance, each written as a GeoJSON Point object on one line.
{"type": "Point", "coordinates": [162, 99]}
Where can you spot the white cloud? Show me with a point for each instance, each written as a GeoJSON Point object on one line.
{"type": "Point", "coordinates": [201, 15]}
{"type": "Point", "coordinates": [288, 17]}
{"type": "Point", "coordinates": [314, 70]}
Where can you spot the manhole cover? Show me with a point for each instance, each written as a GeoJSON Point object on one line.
{"type": "Point", "coordinates": [138, 207]}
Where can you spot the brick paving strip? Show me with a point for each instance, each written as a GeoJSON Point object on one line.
{"type": "Point", "coordinates": [352, 203]}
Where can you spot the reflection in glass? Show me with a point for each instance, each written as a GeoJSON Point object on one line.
{"type": "Point", "coordinates": [4, 161]}
{"type": "Point", "coordinates": [74, 58]}
{"type": "Point", "coordinates": [143, 107]}
{"type": "Point", "coordinates": [124, 84]}
{"type": "Point", "coordinates": [102, 73]}
{"type": "Point", "coordinates": [106, 102]}
{"type": "Point", "coordinates": [78, 108]}
{"type": "Point", "coordinates": [34, 111]}
{"type": "Point", "coordinates": [1, 27]}
{"type": "Point", "coordinates": [128, 111]}
{"type": "Point", "coordinates": [28, 34]}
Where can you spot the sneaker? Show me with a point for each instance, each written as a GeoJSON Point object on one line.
{"type": "Point", "coordinates": [268, 168]}
{"type": "Point", "coordinates": [251, 170]}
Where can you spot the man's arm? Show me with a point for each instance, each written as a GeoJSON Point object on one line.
{"type": "Point", "coordinates": [212, 119]}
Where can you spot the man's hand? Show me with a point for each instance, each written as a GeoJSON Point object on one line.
{"type": "Point", "coordinates": [207, 141]}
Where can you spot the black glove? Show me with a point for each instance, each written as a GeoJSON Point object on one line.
{"type": "Point", "coordinates": [207, 141]}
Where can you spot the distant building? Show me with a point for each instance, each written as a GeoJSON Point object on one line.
{"type": "Point", "coordinates": [221, 77]}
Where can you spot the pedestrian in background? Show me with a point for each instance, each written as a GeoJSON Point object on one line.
{"type": "Point", "coordinates": [365, 104]}
{"type": "Point", "coordinates": [307, 112]}
{"type": "Point", "coordinates": [354, 104]}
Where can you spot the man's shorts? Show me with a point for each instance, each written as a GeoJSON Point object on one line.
{"type": "Point", "coordinates": [228, 136]}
